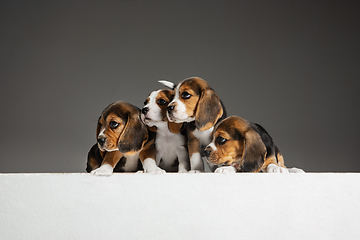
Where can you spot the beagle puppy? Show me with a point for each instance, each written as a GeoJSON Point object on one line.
{"type": "Point", "coordinates": [171, 152]}
{"type": "Point", "coordinates": [122, 139]}
{"type": "Point", "coordinates": [196, 103]}
{"type": "Point", "coordinates": [242, 146]}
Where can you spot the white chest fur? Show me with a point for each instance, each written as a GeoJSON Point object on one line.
{"type": "Point", "coordinates": [169, 147]}
{"type": "Point", "coordinates": [131, 164]}
{"type": "Point", "coordinates": [203, 136]}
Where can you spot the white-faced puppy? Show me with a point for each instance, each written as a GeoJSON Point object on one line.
{"type": "Point", "coordinates": [171, 153]}
{"type": "Point", "coordinates": [242, 146]}
{"type": "Point", "coordinates": [196, 103]}
{"type": "Point", "coordinates": [122, 139]}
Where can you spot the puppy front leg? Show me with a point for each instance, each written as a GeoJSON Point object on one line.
{"type": "Point", "coordinates": [95, 158]}
{"type": "Point", "coordinates": [148, 157]}
{"type": "Point", "coordinates": [108, 164]}
{"type": "Point", "coordinates": [270, 166]}
{"type": "Point", "coordinates": [183, 158]}
{"type": "Point", "coordinates": [196, 162]}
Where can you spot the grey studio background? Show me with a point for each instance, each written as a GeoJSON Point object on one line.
{"type": "Point", "coordinates": [292, 66]}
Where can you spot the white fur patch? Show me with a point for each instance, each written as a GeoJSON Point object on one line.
{"type": "Point", "coordinates": [273, 168]}
{"type": "Point", "coordinates": [227, 169]}
{"type": "Point", "coordinates": [169, 147]}
{"type": "Point", "coordinates": [167, 84]}
{"type": "Point", "coordinates": [112, 150]}
{"type": "Point", "coordinates": [295, 170]}
{"type": "Point", "coordinates": [203, 136]}
{"type": "Point", "coordinates": [196, 163]}
{"type": "Point", "coordinates": [104, 170]}
{"type": "Point", "coordinates": [212, 146]}
{"type": "Point", "coordinates": [132, 162]}
{"type": "Point", "coordinates": [149, 166]}
{"type": "Point", "coordinates": [102, 133]}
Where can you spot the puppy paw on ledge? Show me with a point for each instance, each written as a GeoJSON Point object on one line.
{"type": "Point", "coordinates": [273, 168]}
{"type": "Point", "coordinates": [227, 169]}
{"type": "Point", "coordinates": [104, 170]}
{"type": "Point", "coordinates": [150, 167]}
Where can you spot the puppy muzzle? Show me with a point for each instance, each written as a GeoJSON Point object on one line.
{"type": "Point", "coordinates": [145, 110]}
{"type": "Point", "coordinates": [207, 153]}
{"type": "Point", "coordinates": [101, 141]}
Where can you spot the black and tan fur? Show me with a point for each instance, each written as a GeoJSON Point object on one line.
{"type": "Point", "coordinates": [170, 140]}
{"type": "Point", "coordinates": [121, 137]}
{"type": "Point", "coordinates": [246, 146]}
{"type": "Point", "coordinates": [197, 104]}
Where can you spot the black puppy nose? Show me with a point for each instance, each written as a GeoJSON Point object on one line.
{"type": "Point", "coordinates": [101, 141]}
{"type": "Point", "coordinates": [207, 152]}
{"type": "Point", "coordinates": [170, 108]}
{"type": "Point", "coordinates": [145, 110]}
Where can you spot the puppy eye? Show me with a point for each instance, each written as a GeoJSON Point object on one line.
{"type": "Point", "coordinates": [113, 124]}
{"type": "Point", "coordinates": [186, 95]}
{"type": "Point", "coordinates": [221, 140]}
{"type": "Point", "coordinates": [161, 102]}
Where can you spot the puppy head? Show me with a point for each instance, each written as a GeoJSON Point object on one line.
{"type": "Point", "coordinates": [235, 143]}
{"type": "Point", "coordinates": [120, 128]}
{"type": "Point", "coordinates": [154, 112]}
{"type": "Point", "coordinates": [195, 100]}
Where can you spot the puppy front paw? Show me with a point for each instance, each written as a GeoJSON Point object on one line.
{"type": "Point", "coordinates": [156, 170]}
{"type": "Point", "coordinates": [196, 163]}
{"type": "Point", "coordinates": [149, 166]}
{"type": "Point", "coordinates": [227, 169]}
{"type": "Point", "coordinates": [296, 170]}
{"type": "Point", "coordinates": [273, 168]}
{"type": "Point", "coordinates": [182, 170]}
{"type": "Point", "coordinates": [104, 170]}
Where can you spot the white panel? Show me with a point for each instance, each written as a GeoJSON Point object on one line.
{"type": "Point", "coordinates": [180, 206]}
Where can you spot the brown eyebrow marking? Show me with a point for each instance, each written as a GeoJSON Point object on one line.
{"type": "Point", "coordinates": [167, 95]}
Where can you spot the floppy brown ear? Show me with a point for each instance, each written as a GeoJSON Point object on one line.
{"type": "Point", "coordinates": [209, 110]}
{"type": "Point", "coordinates": [174, 127]}
{"type": "Point", "coordinates": [254, 152]}
{"type": "Point", "coordinates": [134, 135]}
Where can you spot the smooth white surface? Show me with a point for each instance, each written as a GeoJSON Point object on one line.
{"type": "Point", "coordinates": [180, 206]}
